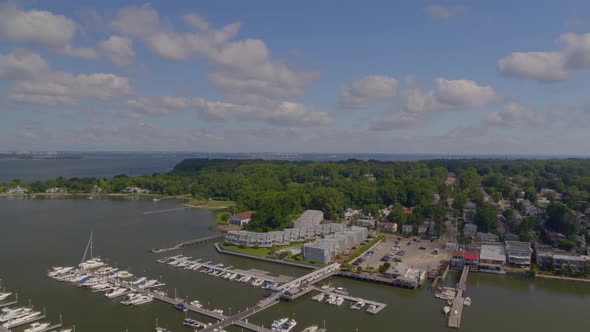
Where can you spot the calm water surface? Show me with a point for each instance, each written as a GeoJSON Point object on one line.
{"type": "Point", "coordinates": [39, 233]}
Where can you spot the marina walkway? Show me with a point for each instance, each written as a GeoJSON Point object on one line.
{"type": "Point", "coordinates": [238, 319]}
{"type": "Point", "coordinates": [6, 304]}
{"type": "Point", "coordinates": [457, 308]}
{"type": "Point", "coordinates": [190, 243]}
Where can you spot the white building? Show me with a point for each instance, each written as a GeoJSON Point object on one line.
{"type": "Point", "coordinates": [17, 190]}
{"type": "Point", "coordinates": [519, 253]}
{"type": "Point", "coordinates": [309, 218]}
{"type": "Point", "coordinates": [325, 250]}
{"type": "Point", "coordinates": [492, 259]}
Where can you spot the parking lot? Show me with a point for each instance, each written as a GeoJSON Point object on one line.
{"type": "Point", "coordinates": [411, 251]}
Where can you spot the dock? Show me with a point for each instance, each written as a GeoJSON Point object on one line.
{"type": "Point", "coordinates": [330, 291]}
{"type": "Point", "coordinates": [165, 210]}
{"type": "Point", "coordinates": [457, 308]}
{"type": "Point", "coordinates": [34, 319]}
{"type": "Point", "coordinates": [189, 243]}
{"type": "Point", "coordinates": [51, 327]}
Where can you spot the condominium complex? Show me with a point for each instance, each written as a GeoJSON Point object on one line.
{"type": "Point", "coordinates": [326, 249]}
{"type": "Point", "coordinates": [282, 238]}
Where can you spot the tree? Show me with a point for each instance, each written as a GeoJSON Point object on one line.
{"type": "Point", "coordinates": [397, 214]}
{"type": "Point", "coordinates": [384, 267]}
{"type": "Point", "coordinates": [486, 217]}
{"type": "Point", "coordinates": [560, 219]}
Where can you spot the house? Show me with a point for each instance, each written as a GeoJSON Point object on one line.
{"type": "Point", "coordinates": [407, 229]}
{"type": "Point", "coordinates": [135, 190]}
{"type": "Point", "coordinates": [487, 237]}
{"type": "Point", "coordinates": [18, 190]}
{"type": "Point", "coordinates": [423, 230]}
{"type": "Point", "coordinates": [468, 209]}
{"type": "Point", "coordinates": [470, 230]}
{"type": "Point", "coordinates": [426, 229]}
{"type": "Point", "coordinates": [461, 258]}
{"type": "Point", "coordinates": [492, 258]}
{"type": "Point", "coordinates": [241, 219]}
{"type": "Point", "coordinates": [349, 213]}
{"type": "Point", "coordinates": [387, 227]}
{"type": "Point", "coordinates": [519, 253]}
{"type": "Point", "coordinates": [366, 222]}
{"type": "Point", "coordinates": [53, 190]}
{"type": "Point", "coordinates": [543, 202]}
{"type": "Point", "coordinates": [545, 191]}
{"type": "Point", "coordinates": [511, 237]}
{"type": "Point", "coordinates": [528, 209]}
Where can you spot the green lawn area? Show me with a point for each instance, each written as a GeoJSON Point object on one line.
{"type": "Point", "coordinates": [262, 252]}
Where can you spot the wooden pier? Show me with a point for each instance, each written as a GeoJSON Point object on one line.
{"type": "Point", "coordinates": [6, 304]}
{"type": "Point", "coordinates": [457, 308]}
{"type": "Point", "coordinates": [189, 243]}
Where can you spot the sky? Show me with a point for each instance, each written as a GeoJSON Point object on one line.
{"type": "Point", "coordinates": [442, 77]}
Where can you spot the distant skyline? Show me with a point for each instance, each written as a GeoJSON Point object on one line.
{"type": "Point", "coordinates": [413, 77]}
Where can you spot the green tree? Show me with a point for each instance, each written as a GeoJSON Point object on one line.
{"type": "Point", "coordinates": [397, 214]}
{"type": "Point", "coordinates": [485, 217]}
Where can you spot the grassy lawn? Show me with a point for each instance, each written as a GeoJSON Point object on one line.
{"type": "Point", "coordinates": [210, 204]}
{"type": "Point", "coordinates": [262, 252]}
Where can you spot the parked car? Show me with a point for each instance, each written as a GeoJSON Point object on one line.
{"type": "Point", "coordinates": [397, 260]}
{"type": "Point", "coordinates": [422, 248]}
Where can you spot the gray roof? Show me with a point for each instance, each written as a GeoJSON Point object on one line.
{"type": "Point", "coordinates": [496, 253]}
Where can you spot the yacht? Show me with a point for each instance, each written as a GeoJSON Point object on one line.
{"type": "Point", "coordinates": [119, 291]}
{"type": "Point", "coordinates": [124, 275]}
{"type": "Point", "coordinates": [78, 277]}
{"type": "Point", "coordinates": [3, 296]}
{"type": "Point", "coordinates": [21, 320]}
{"type": "Point", "coordinates": [35, 327]}
{"type": "Point", "coordinates": [141, 299]}
{"type": "Point", "coordinates": [137, 280]}
{"type": "Point", "coordinates": [181, 307]}
{"type": "Point", "coordinates": [148, 284]}
{"type": "Point", "coordinates": [196, 303]}
{"type": "Point", "coordinates": [339, 300]}
{"type": "Point", "coordinates": [129, 298]}
{"type": "Point", "coordinates": [91, 264]}
{"type": "Point", "coordinates": [372, 309]}
{"type": "Point", "coordinates": [288, 326]}
{"type": "Point", "coordinates": [319, 297]}
{"type": "Point", "coordinates": [276, 325]}
{"type": "Point", "coordinates": [59, 271]}
{"type": "Point", "coordinates": [446, 310]}
{"type": "Point", "coordinates": [357, 306]}
{"type": "Point", "coordinates": [331, 299]}
{"type": "Point", "coordinates": [9, 314]}
{"type": "Point", "coordinates": [313, 328]}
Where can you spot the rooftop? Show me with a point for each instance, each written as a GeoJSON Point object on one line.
{"type": "Point", "coordinates": [517, 245]}
{"type": "Point", "coordinates": [495, 253]}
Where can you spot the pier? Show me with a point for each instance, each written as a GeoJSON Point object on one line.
{"type": "Point", "coordinates": [457, 308]}
{"type": "Point", "coordinates": [51, 327]}
{"type": "Point", "coordinates": [165, 210]}
{"type": "Point", "coordinates": [330, 291]}
{"type": "Point", "coordinates": [33, 319]}
{"type": "Point", "coordinates": [6, 304]}
{"type": "Point", "coordinates": [189, 243]}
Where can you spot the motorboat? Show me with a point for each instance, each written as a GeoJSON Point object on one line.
{"type": "Point", "coordinates": [119, 291]}
{"type": "Point", "coordinates": [331, 299]}
{"type": "Point", "coordinates": [124, 275]}
{"type": "Point", "coordinates": [319, 297]}
{"type": "Point", "coordinates": [59, 271]}
{"type": "Point", "coordinates": [137, 280]}
{"type": "Point", "coordinates": [9, 314]}
{"type": "Point", "coordinates": [313, 328]}
{"type": "Point", "coordinates": [357, 306]}
{"type": "Point", "coordinates": [277, 323]}
{"type": "Point", "coordinates": [339, 300]}
{"type": "Point", "coordinates": [162, 329]}
{"type": "Point", "coordinates": [181, 307]}
{"type": "Point", "coordinates": [218, 311]}
{"type": "Point", "coordinates": [21, 320]}
{"type": "Point", "coordinates": [341, 291]}
{"type": "Point", "coordinates": [467, 301]}
{"type": "Point", "coordinates": [196, 303]}
{"type": "Point", "coordinates": [3, 296]}
{"type": "Point", "coordinates": [257, 282]}
{"type": "Point", "coordinates": [446, 310]}
{"type": "Point", "coordinates": [140, 299]}
{"type": "Point", "coordinates": [91, 264]}
{"type": "Point", "coordinates": [372, 309]}
{"type": "Point", "coordinates": [148, 284]}
{"type": "Point", "coordinates": [289, 325]}
{"type": "Point", "coordinates": [36, 327]}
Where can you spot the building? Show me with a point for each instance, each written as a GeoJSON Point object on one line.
{"type": "Point", "coordinates": [326, 249]}
{"type": "Point", "coordinates": [53, 190]}
{"type": "Point", "coordinates": [468, 208]}
{"type": "Point", "coordinates": [282, 238]}
{"type": "Point", "coordinates": [407, 229]}
{"type": "Point", "coordinates": [17, 190]}
{"type": "Point", "coordinates": [543, 202]}
{"type": "Point", "coordinates": [387, 227]}
{"type": "Point", "coordinates": [309, 218]}
{"type": "Point", "coordinates": [349, 213]}
{"type": "Point", "coordinates": [135, 190]}
{"type": "Point", "coordinates": [462, 258]}
{"type": "Point", "coordinates": [518, 253]}
{"type": "Point", "coordinates": [241, 219]}
{"type": "Point", "coordinates": [492, 258]}
{"type": "Point", "coordinates": [470, 230]}
{"type": "Point", "coordinates": [406, 275]}
{"type": "Point", "coordinates": [366, 223]}
{"type": "Point", "coordinates": [487, 237]}
{"type": "Point", "coordinates": [571, 262]}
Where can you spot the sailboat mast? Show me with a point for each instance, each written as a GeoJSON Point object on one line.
{"type": "Point", "coordinates": [88, 246]}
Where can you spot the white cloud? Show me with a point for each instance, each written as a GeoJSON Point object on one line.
{"type": "Point", "coordinates": [283, 113]}
{"type": "Point", "coordinates": [244, 72]}
{"type": "Point", "coordinates": [118, 50]}
{"type": "Point", "coordinates": [35, 82]}
{"type": "Point", "coordinates": [158, 105]}
{"type": "Point", "coordinates": [549, 66]}
{"type": "Point", "coordinates": [444, 13]}
{"type": "Point", "coordinates": [35, 26]}
{"type": "Point", "coordinates": [83, 53]}
{"type": "Point", "coordinates": [515, 115]}
{"type": "Point", "coordinates": [398, 120]}
{"type": "Point", "coordinates": [367, 91]}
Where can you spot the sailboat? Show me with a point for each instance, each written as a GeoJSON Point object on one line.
{"type": "Point", "coordinates": [92, 263]}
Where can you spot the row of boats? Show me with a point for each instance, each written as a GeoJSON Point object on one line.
{"type": "Point", "coordinates": [448, 294]}
{"type": "Point", "coordinates": [11, 317]}
{"type": "Point", "coordinates": [215, 270]}
{"type": "Point", "coordinates": [283, 325]}
{"type": "Point", "coordinates": [335, 299]}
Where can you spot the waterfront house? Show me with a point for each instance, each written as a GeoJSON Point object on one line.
{"type": "Point", "coordinates": [518, 253]}
{"type": "Point", "coordinates": [135, 190]}
{"type": "Point", "coordinates": [53, 190]}
{"type": "Point", "coordinates": [387, 227]}
{"type": "Point", "coordinates": [492, 258]}
{"type": "Point", "coordinates": [461, 258]}
{"type": "Point", "coordinates": [241, 219]}
{"type": "Point", "coordinates": [18, 190]}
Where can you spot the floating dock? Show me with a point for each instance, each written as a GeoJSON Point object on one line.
{"type": "Point", "coordinates": [6, 304]}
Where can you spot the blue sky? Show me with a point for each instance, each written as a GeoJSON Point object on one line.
{"type": "Point", "coordinates": [300, 76]}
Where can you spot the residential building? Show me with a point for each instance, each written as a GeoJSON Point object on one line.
{"type": "Point", "coordinates": [571, 262]}
{"type": "Point", "coordinates": [387, 227]}
{"type": "Point", "coordinates": [407, 229]}
{"type": "Point", "coordinates": [53, 190]}
{"type": "Point", "coordinates": [543, 202]}
{"type": "Point", "coordinates": [241, 219]}
{"type": "Point", "coordinates": [366, 222]}
{"type": "Point", "coordinates": [462, 258]}
{"type": "Point", "coordinates": [17, 190]}
{"type": "Point", "coordinates": [468, 208]}
{"type": "Point", "coordinates": [487, 237]}
{"type": "Point", "coordinates": [492, 258]}
{"type": "Point", "coordinates": [135, 190]}
{"type": "Point", "coordinates": [518, 253]}
{"type": "Point", "coordinates": [326, 249]}
{"type": "Point", "coordinates": [349, 213]}
{"type": "Point", "coordinates": [282, 238]}
{"type": "Point", "coordinates": [470, 230]}
{"type": "Point", "coordinates": [451, 246]}
{"type": "Point", "coordinates": [309, 218]}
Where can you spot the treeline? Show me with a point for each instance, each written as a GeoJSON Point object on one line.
{"type": "Point", "coordinates": [280, 190]}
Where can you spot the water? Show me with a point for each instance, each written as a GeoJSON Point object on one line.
{"type": "Point", "coordinates": [39, 233]}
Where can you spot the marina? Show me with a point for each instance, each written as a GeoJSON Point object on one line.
{"type": "Point", "coordinates": [457, 308]}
